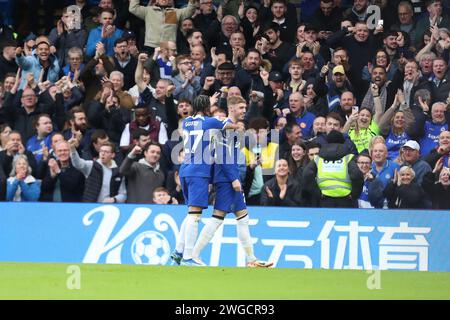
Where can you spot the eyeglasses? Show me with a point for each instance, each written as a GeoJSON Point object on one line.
{"type": "Point", "coordinates": [29, 96]}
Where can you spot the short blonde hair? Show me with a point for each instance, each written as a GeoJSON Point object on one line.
{"type": "Point", "coordinates": [444, 171]}
{"type": "Point", "coordinates": [407, 168]}
{"type": "Point", "coordinates": [375, 140]}
{"type": "Point", "coordinates": [234, 100]}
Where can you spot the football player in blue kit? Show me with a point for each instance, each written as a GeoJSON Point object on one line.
{"type": "Point", "coordinates": [195, 173]}
{"type": "Point", "coordinates": [229, 194]}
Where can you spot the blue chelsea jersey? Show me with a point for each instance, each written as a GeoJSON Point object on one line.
{"type": "Point", "coordinates": [198, 131]}
{"type": "Point", "coordinates": [394, 143]}
{"type": "Point", "coordinates": [228, 157]}
{"type": "Point", "coordinates": [431, 138]}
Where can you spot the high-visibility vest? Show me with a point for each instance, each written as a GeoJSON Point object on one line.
{"type": "Point", "coordinates": [268, 155]}
{"type": "Point", "coordinates": [332, 176]}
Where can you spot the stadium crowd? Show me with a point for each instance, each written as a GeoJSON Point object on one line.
{"type": "Point", "coordinates": [344, 108]}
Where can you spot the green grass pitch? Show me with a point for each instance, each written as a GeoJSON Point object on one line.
{"type": "Point", "coordinates": [49, 281]}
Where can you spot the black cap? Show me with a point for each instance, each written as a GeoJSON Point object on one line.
{"type": "Point", "coordinates": [127, 34]}
{"type": "Point", "coordinates": [8, 43]}
{"type": "Point", "coordinates": [309, 81]}
{"type": "Point", "coordinates": [226, 66]}
{"type": "Point", "coordinates": [275, 76]}
{"type": "Point", "coordinates": [29, 37]}
{"type": "Point", "coordinates": [251, 6]}
{"type": "Point", "coordinates": [335, 137]}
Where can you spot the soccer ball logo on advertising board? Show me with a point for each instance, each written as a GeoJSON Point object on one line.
{"type": "Point", "coordinates": [150, 247]}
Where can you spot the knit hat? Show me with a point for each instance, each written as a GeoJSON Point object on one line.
{"type": "Point", "coordinates": [226, 66]}
{"type": "Point", "coordinates": [31, 36]}
{"type": "Point", "coordinates": [335, 137]}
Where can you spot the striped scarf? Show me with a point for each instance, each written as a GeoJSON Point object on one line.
{"type": "Point", "coordinates": [368, 99]}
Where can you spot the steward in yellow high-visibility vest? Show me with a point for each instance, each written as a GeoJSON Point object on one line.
{"type": "Point", "coordinates": [334, 174]}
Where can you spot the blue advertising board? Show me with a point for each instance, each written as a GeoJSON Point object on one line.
{"type": "Point", "coordinates": [290, 237]}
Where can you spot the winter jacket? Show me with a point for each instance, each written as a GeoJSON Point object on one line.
{"type": "Point", "coordinates": [348, 144]}
{"type": "Point", "coordinates": [420, 168]}
{"type": "Point", "coordinates": [101, 181]}
{"type": "Point", "coordinates": [23, 122]}
{"type": "Point", "coordinates": [142, 179]}
{"type": "Point", "coordinates": [67, 40]}
{"type": "Point", "coordinates": [112, 121]}
{"type": "Point", "coordinates": [71, 184]}
{"type": "Point", "coordinates": [7, 67]}
{"type": "Point", "coordinates": [32, 64]}
{"type": "Point", "coordinates": [292, 198]}
{"type": "Point", "coordinates": [439, 194]}
{"type": "Point", "coordinates": [189, 92]}
{"type": "Point", "coordinates": [92, 82]}
{"type": "Point", "coordinates": [95, 36]}
{"type": "Point", "coordinates": [333, 152]}
{"type": "Point", "coordinates": [404, 196]}
{"type": "Point", "coordinates": [6, 162]}
{"type": "Point", "coordinates": [23, 190]}
{"type": "Point", "coordinates": [160, 23]}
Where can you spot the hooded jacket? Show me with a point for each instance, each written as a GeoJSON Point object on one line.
{"type": "Point", "coordinates": [333, 152]}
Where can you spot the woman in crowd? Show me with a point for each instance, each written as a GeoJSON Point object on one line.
{"type": "Point", "coordinates": [250, 24]}
{"type": "Point", "coordinates": [402, 192]}
{"type": "Point", "coordinates": [300, 35]}
{"type": "Point", "coordinates": [21, 185]}
{"type": "Point", "coordinates": [282, 190]}
{"type": "Point", "coordinates": [437, 185]}
{"type": "Point", "coordinates": [381, 59]}
{"type": "Point", "coordinates": [314, 101]}
{"type": "Point", "coordinates": [297, 160]}
{"type": "Point", "coordinates": [361, 125]}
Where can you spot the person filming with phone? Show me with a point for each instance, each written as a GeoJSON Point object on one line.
{"type": "Point", "coordinates": [362, 124]}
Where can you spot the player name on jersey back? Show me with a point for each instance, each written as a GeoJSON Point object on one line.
{"type": "Point", "coordinates": [198, 136]}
